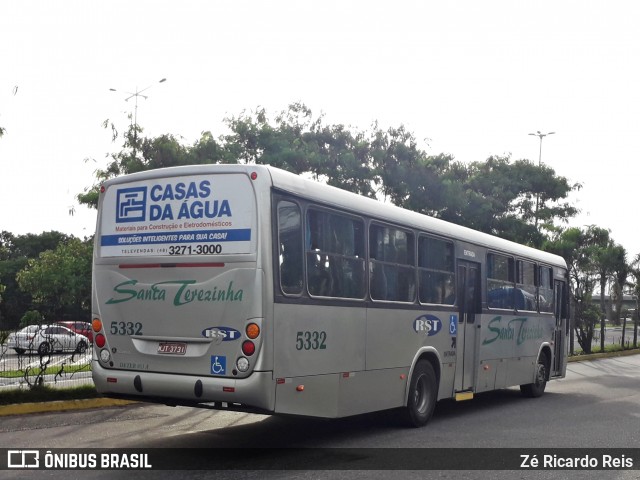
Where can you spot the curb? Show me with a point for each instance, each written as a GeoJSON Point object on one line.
{"type": "Point", "coordinates": [596, 356]}
{"type": "Point", "coordinates": [61, 406]}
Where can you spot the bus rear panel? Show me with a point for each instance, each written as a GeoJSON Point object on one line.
{"type": "Point", "coordinates": [177, 290]}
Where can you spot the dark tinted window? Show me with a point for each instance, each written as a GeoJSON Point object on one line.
{"type": "Point", "coordinates": [335, 255]}
{"type": "Point", "coordinates": [392, 264]}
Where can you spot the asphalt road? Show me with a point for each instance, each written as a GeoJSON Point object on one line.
{"type": "Point", "coordinates": [597, 405]}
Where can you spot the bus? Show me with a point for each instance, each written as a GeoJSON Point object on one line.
{"type": "Point", "coordinates": [249, 288]}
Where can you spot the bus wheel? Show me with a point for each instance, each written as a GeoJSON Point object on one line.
{"type": "Point", "coordinates": [536, 388]}
{"type": "Point", "coordinates": [423, 394]}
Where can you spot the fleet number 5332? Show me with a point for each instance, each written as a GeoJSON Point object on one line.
{"type": "Point", "coordinates": [311, 340]}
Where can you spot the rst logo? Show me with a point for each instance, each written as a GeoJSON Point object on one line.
{"type": "Point", "coordinates": [430, 325]}
{"type": "Point", "coordinates": [221, 334]}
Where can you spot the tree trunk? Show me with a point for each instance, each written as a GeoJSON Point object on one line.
{"type": "Point", "coordinates": [604, 312]}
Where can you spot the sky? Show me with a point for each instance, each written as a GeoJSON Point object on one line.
{"type": "Point", "coordinates": [468, 78]}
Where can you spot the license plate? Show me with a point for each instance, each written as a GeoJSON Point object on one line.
{"type": "Point", "coordinates": [172, 348]}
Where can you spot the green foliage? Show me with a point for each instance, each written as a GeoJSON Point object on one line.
{"type": "Point", "coordinates": [518, 200]}
{"type": "Point", "coordinates": [49, 370]}
{"type": "Point", "coordinates": [594, 259]}
{"type": "Point", "coordinates": [15, 252]}
{"type": "Point", "coordinates": [31, 317]}
{"type": "Point", "coordinates": [141, 153]}
{"type": "Point", "coordinates": [59, 280]}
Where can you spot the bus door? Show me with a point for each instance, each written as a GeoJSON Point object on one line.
{"type": "Point", "coordinates": [469, 305]}
{"type": "Point", "coordinates": [559, 337]}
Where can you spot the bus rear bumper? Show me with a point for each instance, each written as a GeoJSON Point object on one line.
{"type": "Point", "coordinates": [254, 393]}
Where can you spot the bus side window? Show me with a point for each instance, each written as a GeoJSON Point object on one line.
{"type": "Point", "coordinates": [545, 290]}
{"type": "Point", "coordinates": [500, 282]}
{"type": "Point", "coordinates": [290, 247]}
{"type": "Point", "coordinates": [436, 275]}
{"type": "Point", "coordinates": [335, 255]}
{"type": "Point", "coordinates": [526, 290]}
{"type": "Point", "coordinates": [391, 264]}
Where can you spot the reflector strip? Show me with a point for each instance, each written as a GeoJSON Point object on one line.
{"type": "Point", "coordinates": [462, 396]}
{"type": "Point", "coordinates": [112, 380]}
{"type": "Point", "coordinates": [171, 265]}
{"type": "Point", "coordinates": [228, 389]}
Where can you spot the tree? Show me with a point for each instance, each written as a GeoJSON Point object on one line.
{"type": "Point", "coordinates": [608, 259]}
{"type": "Point", "coordinates": [518, 200]}
{"type": "Point", "coordinates": [579, 248]}
{"type": "Point", "coordinates": [618, 284]}
{"type": "Point", "coordinates": [59, 281]}
{"type": "Point", "coordinates": [298, 142]}
{"type": "Point", "coordinates": [634, 268]}
{"type": "Point", "coordinates": [15, 251]}
{"type": "Point", "coordinates": [141, 153]}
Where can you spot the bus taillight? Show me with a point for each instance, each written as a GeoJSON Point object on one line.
{"type": "Point", "coordinates": [100, 340]}
{"type": "Point", "coordinates": [248, 348]}
{"type": "Point", "coordinates": [253, 330]}
{"type": "Point", "coordinates": [96, 324]}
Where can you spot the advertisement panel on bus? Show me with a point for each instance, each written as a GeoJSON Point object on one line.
{"type": "Point", "coordinates": [191, 215]}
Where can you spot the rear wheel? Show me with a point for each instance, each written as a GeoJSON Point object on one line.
{"type": "Point", "coordinates": [423, 394]}
{"type": "Point", "coordinates": [536, 389]}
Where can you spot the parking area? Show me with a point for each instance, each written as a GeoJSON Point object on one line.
{"type": "Point", "coordinates": [61, 370]}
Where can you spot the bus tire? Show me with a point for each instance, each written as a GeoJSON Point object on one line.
{"type": "Point", "coordinates": [423, 395]}
{"type": "Point", "coordinates": [536, 389]}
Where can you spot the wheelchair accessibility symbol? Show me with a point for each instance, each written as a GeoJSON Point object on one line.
{"type": "Point", "coordinates": [453, 325]}
{"type": "Point", "coordinates": [218, 365]}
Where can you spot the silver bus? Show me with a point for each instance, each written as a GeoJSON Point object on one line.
{"type": "Point", "coordinates": [248, 288]}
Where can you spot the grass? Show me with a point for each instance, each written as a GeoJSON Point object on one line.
{"type": "Point", "coordinates": [48, 371]}
{"type": "Point", "coordinates": [47, 394]}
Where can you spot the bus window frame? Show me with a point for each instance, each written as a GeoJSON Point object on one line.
{"type": "Point", "coordinates": [414, 265]}
{"type": "Point", "coordinates": [518, 262]}
{"type": "Point", "coordinates": [277, 198]}
{"type": "Point", "coordinates": [512, 284]}
{"type": "Point", "coordinates": [314, 206]}
{"type": "Point", "coordinates": [419, 269]}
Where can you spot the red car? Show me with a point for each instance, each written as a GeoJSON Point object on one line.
{"type": "Point", "coordinates": [83, 328]}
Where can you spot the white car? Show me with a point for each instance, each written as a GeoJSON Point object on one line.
{"type": "Point", "coordinates": [46, 339]}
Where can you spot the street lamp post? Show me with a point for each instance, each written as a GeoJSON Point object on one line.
{"type": "Point", "coordinates": [541, 136]}
{"type": "Point", "coordinates": [136, 94]}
